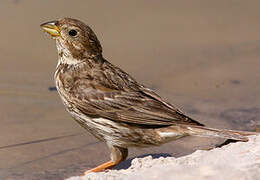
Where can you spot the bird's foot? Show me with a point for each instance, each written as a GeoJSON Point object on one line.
{"type": "Point", "coordinates": [102, 167]}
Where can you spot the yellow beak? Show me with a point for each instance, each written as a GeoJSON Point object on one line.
{"type": "Point", "coordinates": [51, 28]}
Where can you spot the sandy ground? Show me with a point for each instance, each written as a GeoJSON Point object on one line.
{"type": "Point", "coordinates": [200, 55]}
{"type": "Point", "coordinates": [239, 161]}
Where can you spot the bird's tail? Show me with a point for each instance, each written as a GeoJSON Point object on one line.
{"type": "Point", "coordinates": [222, 133]}
{"type": "Point", "coordinates": [175, 132]}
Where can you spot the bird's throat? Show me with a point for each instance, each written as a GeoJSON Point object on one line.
{"type": "Point", "coordinates": [64, 55]}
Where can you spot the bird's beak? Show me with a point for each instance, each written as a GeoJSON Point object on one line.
{"type": "Point", "coordinates": [51, 28]}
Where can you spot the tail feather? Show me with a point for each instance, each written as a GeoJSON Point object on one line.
{"type": "Point", "coordinates": [222, 133]}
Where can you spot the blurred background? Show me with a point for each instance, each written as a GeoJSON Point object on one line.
{"type": "Point", "coordinates": [203, 56]}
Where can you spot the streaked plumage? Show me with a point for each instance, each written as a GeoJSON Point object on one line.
{"type": "Point", "coordinates": [111, 104]}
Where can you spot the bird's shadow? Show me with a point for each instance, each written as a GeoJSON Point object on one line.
{"type": "Point", "coordinates": [126, 164]}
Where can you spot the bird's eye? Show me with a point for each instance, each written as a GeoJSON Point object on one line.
{"type": "Point", "coordinates": [73, 33]}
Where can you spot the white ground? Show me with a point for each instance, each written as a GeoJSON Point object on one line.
{"type": "Point", "coordinates": [238, 161]}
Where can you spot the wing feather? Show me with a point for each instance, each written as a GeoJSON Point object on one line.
{"type": "Point", "coordinates": [113, 94]}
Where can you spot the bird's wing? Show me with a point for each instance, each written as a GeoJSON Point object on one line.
{"type": "Point", "coordinates": [137, 106]}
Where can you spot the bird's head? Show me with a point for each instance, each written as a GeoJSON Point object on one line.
{"type": "Point", "coordinates": [74, 39]}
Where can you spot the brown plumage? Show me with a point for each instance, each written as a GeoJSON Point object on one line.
{"type": "Point", "coordinates": [111, 104]}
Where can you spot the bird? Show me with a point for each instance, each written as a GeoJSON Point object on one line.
{"type": "Point", "coordinates": [110, 103]}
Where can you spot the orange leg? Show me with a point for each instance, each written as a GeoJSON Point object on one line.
{"type": "Point", "coordinates": [102, 167]}
{"type": "Point", "coordinates": [118, 155]}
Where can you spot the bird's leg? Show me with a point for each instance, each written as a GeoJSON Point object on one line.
{"type": "Point", "coordinates": [102, 167]}
{"type": "Point", "coordinates": [118, 154]}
